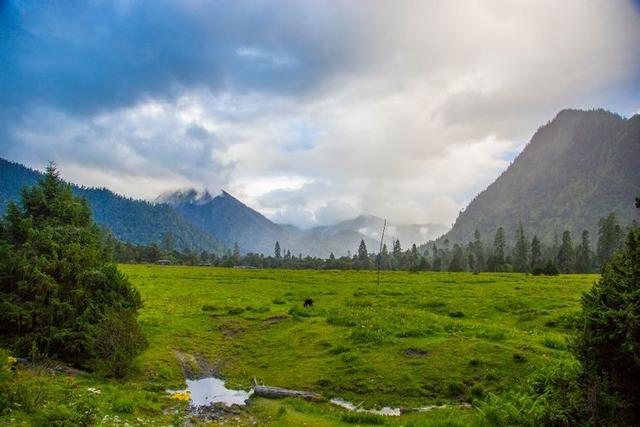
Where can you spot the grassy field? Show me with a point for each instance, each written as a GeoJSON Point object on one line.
{"type": "Point", "coordinates": [416, 340]}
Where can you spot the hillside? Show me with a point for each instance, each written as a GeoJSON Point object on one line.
{"type": "Point", "coordinates": [576, 169]}
{"type": "Point", "coordinates": [132, 221]}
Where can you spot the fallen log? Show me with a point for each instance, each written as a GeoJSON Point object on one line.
{"type": "Point", "coordinates": [278, 393]}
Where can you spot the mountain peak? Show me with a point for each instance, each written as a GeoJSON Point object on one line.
{"type": "Point", "coordinates": [184, 197]}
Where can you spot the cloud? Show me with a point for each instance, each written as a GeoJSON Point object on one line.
{"type": "Point", "coordinates": [312, 111]}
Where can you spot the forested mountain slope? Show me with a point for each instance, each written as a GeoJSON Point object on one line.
{"type": "Point", "coordinates": [129, 220]}
{"type": "Point", "coordinates": [576, 169]}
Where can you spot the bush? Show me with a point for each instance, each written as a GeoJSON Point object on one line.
{"type": "Point", "coordinates": [114, 342]}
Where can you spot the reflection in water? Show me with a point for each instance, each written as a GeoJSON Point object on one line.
{"type": "Point", "coordinates": [205, 391]}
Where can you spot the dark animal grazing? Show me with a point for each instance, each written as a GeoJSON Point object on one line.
{"type": "Point", "coordinates": [308, 302]}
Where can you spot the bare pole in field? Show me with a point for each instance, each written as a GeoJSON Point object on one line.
{"type": "Point", "coordinates": [380, 250]}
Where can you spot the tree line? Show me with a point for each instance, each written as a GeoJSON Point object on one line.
{"type": "Point", "coordinates": [522, 254]}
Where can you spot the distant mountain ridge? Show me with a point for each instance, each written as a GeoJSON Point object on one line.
{"type": "Point", "coordinates": [233, 222]}
{"type": "Point", "coordinates": [576, 169]}
{"type": "Point", "coordinates": [129, 220]}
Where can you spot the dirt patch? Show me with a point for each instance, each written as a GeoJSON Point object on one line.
{"type": "Point", "coordinates": [197, 366]}
{"type": "Point", "coordinates": [231, 329]}
{"type": "Point", "coordinates": [415, 352]}
{"type": "Point", "coordinates": [276, 319]}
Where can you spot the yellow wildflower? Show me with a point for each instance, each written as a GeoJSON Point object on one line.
{"type": "Point", "coordinates": [11, 360]}
{"type": "Point", "coordinates": [182, 396]}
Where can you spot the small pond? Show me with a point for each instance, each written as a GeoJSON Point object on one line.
{"type": "Point", "coordinates": [206, 391]}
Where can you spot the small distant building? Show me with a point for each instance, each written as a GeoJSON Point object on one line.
{"type": "Point", "coordinates": [164, 262]}
{"type": "Point", "coordinates": [204, 264]}
{"type": "Point", "coordinates": [245, 267]}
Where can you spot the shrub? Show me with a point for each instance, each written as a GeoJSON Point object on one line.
{"type": "Point", "coordinates": [114, 342]}
{"type": "Point", "coordinates": [235, 311]}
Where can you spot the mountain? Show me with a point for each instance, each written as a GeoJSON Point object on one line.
{"type": "Point", "coordinates": [576, 169]}
{"type": "Point", "coordinates": [371, 226]}
{"type": "Point", "coordinates": [233, 222]}
{"type": "Point", "coordinates": [129, 220]}
{"type": "Point", "coordinates": [228, 219]}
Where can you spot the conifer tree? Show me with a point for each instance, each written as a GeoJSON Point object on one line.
{"type": "Point", "coordinates": [59, 294]}
{"type": "Point", "coordinates": [610, 238]}
{"type": "Point", "coordinates": [608, 344]}
{"type": "Point", "coordinates": [565, 258]}
{"type": "Point", "coordinates": [521, 261]}
{"type": "Point", "coordinates": [277, 251]}
{"type": "Point", "coordinates": [536, 253]}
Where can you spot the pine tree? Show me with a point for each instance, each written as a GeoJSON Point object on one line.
{"type": "Point", "coordinates": [499, 244]}
{"type": "Point", "coordinates": [414, 259]}
{"type": "Point", "coordinates": [277, 251]}
{"type": "Point", "coordinates": [608, 344]}
{"type": "Point", "coordinates": [59, 294]}
{"type": "Point", "coordinates": [521, 261]}
{"type": "Point", "coordinates": [583, 254]}
{"type": "Point", "coordinates": [536, 253]}
{"type": "Point", "coordinates": [610, 238]}
{"type": "Point", "coordinates": [457, 260]}
{"type": "Point", "coordinates": [397, 254]}
{"type": "Point", "coordinates": [565, 258]}
{"type": "Point", "coordinates": [363, 256]}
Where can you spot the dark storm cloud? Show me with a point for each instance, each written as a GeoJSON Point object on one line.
{"type": "Point", "coordinates": [87, 56]}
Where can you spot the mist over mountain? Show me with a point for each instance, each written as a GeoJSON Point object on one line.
{"type": "Point", "coordinates": [371, 226]}
{"type": "Point", "coordinates": [132, 221]}
{"type": "Point", "coordinates": [576, 169]}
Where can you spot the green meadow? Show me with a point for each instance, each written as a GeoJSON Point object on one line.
{"type": "Point", "coordinates": [415, 340]}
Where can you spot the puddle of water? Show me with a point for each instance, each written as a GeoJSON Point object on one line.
{"type": "Point", "coordinates": [206, 391]}
{"type": "Point", "coordinates": [386, 411]}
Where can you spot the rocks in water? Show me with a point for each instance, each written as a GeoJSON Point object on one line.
{"type": "Point", "coordinates": [215, 411]}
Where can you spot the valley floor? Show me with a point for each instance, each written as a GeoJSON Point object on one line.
{"type": "Point", "coordinates": [415, 340]}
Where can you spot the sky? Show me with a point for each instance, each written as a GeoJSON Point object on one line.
{"type": "Point", "coordinates": [309, 111]}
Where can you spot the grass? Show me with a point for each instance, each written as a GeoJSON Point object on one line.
{"type": "Point", "coordinates": [415, 340]}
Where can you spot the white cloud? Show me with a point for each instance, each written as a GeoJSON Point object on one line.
{"type": "Point", "coordinates": [409, 108]}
